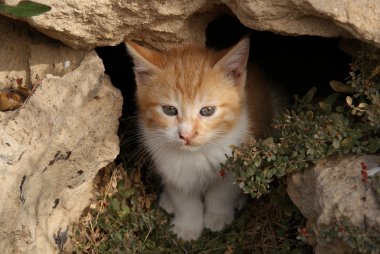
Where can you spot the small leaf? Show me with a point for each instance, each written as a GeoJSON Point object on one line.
{"type": "Point", "coordinates": [336, 143]}
{"type": "Point", "coordinates": [349, 100]}
{"type": "Point", "coordinates": [124, 210]}
{"type": "Point", "coordinates": [121, 187]}
{"type": "Point", "coordinates": [271, 172]}
{"type": "Point", "coordinates": [309, 116]}
{"type": "Point", "coordinates": [363, 106]}
{"type": "Point", "coordinates": [268, 142]}
{"type": "Point", "coordinates": [339, 109]}
{"type": "Point", "coordinates": [9, 101]}
{"type": "Point", "coordinates": [115, 204]}
{"type": "Point", "coordinates": [340, 87]}
{"type": "Point", "coordinates": [326, 107]}
{"type": "Point", "coordinates": [257, 160]}
{"type": "Point", "coordinates": [346, 142]}
{"type": "Point", "coordinates": [24, 9]}
{"type": "Point", "coordinates": [310, 95]}
{"type": "Point", "coordinates": [118, 236]}
{"type": "Point", "coordinates": [331, 98]}
{"type": "Point", "coordinates": [374, 145]}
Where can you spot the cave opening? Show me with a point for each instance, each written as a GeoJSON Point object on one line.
{"type": "Point", "coordinates": [295, 63]}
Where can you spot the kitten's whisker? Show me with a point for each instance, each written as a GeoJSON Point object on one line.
{"type": "Point", "coordinates": [140, 153]}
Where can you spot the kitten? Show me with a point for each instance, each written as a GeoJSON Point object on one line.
{"type": "Point", "coordinates": [193, 103]}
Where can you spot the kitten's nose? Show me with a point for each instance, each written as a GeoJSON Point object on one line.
{"type": "Point", "coordinates": [185, 137]}
{"type": "Point", "coordinates": [186, 131]}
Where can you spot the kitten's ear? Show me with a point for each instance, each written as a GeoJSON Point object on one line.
{"type": "Point", "coordinates": [145, 61]}
{"type": "Point", "coordinates": [234, 61]}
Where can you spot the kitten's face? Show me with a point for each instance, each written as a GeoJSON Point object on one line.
{"type": "Point", "coordinates": [190, 97]}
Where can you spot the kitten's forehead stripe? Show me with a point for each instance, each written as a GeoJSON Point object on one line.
{"type": "Point", "coordinates": [189, 73]}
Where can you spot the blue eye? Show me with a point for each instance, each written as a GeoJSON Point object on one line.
{"type": "Point", "coordinates": [169, 110]}
{"type": "Point", "coordinates": [207, 111]}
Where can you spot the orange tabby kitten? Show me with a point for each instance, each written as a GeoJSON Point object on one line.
{"type": "Point", "coordinates": [193, 103]}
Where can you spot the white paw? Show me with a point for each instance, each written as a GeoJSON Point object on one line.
{"type": "Point", "coordinates": [165, 203]}
{"type": "Point", "coordinates": [216, 221]}
{"type": "Point", "coordinates": [187, 230]}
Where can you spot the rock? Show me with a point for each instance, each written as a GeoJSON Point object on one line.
{"type": "Point", "coordinates": [334, 191]}
{"type": "Point", "coordinates": [52, 147]}
{"type": "Point", "coordinates": [85, 24]}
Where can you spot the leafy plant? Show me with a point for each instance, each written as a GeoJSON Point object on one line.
{"type": "Point", "coordinates": [24, 9]}
{"type": "Point", "coordinates": [124, 218]}
{"type": "Point", "coordinates": [308, 132]}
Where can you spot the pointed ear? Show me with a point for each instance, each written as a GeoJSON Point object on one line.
{"type": "Point", "coordinates": [145, 61]}
{"type": "Point", "coordinates": [234, 61]}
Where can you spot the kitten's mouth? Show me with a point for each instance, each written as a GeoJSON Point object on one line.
{"type": "Point", "coordinates": [188, 147]}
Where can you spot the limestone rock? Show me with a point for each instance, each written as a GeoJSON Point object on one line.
{"type": "Point", "coordinates": [333, 190]}
{"type": "Point", "coordinates": [87, 24]}
{"type": "Point", "coordinates": [52, 147]}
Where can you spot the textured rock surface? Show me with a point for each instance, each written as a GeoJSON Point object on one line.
{"type": "Point", "coordinates": [86, 24]}
{"type": "Point", "coordinates": [334, 190]}
{"type": "Point", "coordinates": [52, 147]}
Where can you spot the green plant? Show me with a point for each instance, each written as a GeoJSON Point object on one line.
{"type": "Point", "coordinates": [124, 218]}
{"type": "Point", "coordinates": [24, 9]}
{"type": "Point", "coordinates": [308, 132]}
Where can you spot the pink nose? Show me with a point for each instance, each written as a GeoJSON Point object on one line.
{"type": "Point", "coordinates": [185, 137]}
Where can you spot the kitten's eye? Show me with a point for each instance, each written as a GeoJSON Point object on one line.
{"type": "Point", "coordinates": [207, 111]}
{"type": "Point", "coordinates": [169, 110]}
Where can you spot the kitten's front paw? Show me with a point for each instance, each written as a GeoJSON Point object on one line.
{"type": "Point", "coordinates": [165, 203]}
{"type": "Point", "coordinates": [216, 221]}
{"type": "Point", "coordinates": [187, 230]}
